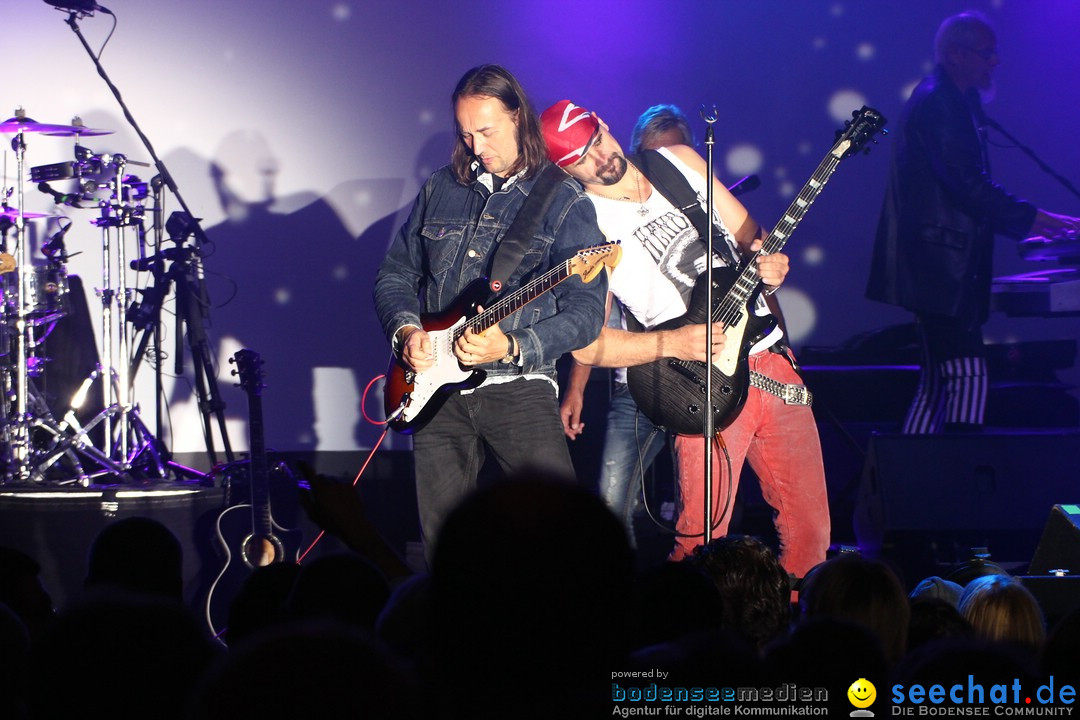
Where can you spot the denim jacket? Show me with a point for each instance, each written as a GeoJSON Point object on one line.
{"type": "Point", "coordinates": [448, 242]}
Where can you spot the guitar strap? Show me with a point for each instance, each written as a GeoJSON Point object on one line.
{"type": "Point", "coordinates": [675, 188]}
{"type": "Point", "coordinates": [673, 185]}
{"type": "Point", "coordinates": [515, 243]}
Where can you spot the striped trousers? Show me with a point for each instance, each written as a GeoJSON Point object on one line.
{"type": "Point", "coordinates": [953, 384]}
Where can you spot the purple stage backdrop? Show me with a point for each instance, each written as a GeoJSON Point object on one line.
{"type": "Point", "coordinates": [300, 132]}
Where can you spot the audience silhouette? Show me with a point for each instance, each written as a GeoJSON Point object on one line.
{"type": "Point", "coordinates": [532, 609]}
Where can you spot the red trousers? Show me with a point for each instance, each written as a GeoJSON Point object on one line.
{"type": "Point", "coordinates": [781, 444]}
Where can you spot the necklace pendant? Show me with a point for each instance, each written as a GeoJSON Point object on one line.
{"type": "Point", "coordinates": [643, 211]}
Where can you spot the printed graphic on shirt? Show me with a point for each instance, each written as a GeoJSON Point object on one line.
{"type": "Point", "coordinates": [672, 242]}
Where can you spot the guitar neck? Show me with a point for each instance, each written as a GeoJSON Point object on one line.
{"type": "Point", "coordinates": [748, 279]}
{"type": "Point", "coordinates": [260, 475]}
{"type": "Point", "coordinates": [516, 300]}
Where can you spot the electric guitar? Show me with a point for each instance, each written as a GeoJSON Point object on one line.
{"type": "Point", "coordinates": [671, 392]}
{"type": "Point", "coordinates": [411, 398]}
{"type": "Point", "coordinates": [248, 533]}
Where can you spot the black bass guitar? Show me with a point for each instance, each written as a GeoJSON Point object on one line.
{"type": "Point", "coordinates": [410, 398]}
{"type": "Point", "coordinates": [671, 392]}
{"type": "Point", "coordinates": [247, 532]}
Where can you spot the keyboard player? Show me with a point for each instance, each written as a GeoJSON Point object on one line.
{"type": "Point", "coordinates": [933, 249]}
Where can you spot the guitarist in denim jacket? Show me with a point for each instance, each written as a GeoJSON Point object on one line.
{"type": "Point", "coordinates": [457, 222]}
{"type": "Point", "coordinates": [662, 259]}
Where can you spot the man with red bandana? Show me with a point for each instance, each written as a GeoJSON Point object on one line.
{"type": "Point", "coordinates": [661, 261]}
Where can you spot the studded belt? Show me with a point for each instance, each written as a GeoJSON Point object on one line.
{"type": "Point", "coordinates": [791, 394]}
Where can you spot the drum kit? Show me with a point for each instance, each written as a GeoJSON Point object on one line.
{"type": "Point", "coordinates": [40, 445]}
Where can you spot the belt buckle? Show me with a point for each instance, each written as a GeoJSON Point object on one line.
{"type": "Point", "coordinates": [797, 395]}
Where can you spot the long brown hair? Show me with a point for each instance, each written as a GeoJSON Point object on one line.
{"type": "Point", "coordinates": [497, 82]}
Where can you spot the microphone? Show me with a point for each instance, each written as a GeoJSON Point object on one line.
{"type": "Point", "coordinates": [59, 198]}
{"type": "Point", "coordinates": [83, 7]}
{"type": "Point", "coordinates": [155, 261]}
{"type": "Point", "coordinates": [56, 243]}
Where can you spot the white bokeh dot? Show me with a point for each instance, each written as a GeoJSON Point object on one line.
{"type": "Point", "coordinates": [813, 255]}
{"type": "Point", "coordinates": [843, 103]}
{"type": "Point", "coordinates": [283, 296]}
{"type": "Point", "coordinates": [800, 313]}
{"type": "Point", "coordinates": [865, 51]}
{"type": "Point", "coordinates": [426, 117]}
{"type": "Point", "coordinates": [341, 12]}
{"type": "Point", "coordinates": [743, 160]}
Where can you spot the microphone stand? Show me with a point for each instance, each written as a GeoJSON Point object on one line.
{"type": "Point", "coordinates": [206, 383]}
{"type": "Point", "coordinates": [709, 430]}
{"type": "Point", "coordinates": [987, 120]}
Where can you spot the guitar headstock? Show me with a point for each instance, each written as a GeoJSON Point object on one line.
{"type": "Point", "coordinates": [249, 370]}
{"type": "Point", "coordinates": [588, 262]}
{"type": "Point", "coordinates": [862, 126]}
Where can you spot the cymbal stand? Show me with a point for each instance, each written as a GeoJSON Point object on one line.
{"type": "Point", "coordinates": [26, 417]}
{"type": "Point", "coordinates": [19, 423]}
{"type": "Point", "coordinates": [126, 437]}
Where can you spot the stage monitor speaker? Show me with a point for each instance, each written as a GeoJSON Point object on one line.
{"type": "Point", "coordinates": [1057, 596]}
{"type": "Point", "coordinates": [987, 489]}
{"type": "Point", "coordinates": [1059, 546]}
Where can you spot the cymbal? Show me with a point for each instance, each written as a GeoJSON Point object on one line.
{"type": "Point", "coordinates": [25, 124]}
{"type": "Point", "coordinates": [12, 213]}
{"type": "Point", "coordinates": [77, 131]}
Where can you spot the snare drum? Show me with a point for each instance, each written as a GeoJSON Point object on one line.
{"type": "Point", "coordinates": [46, 294]}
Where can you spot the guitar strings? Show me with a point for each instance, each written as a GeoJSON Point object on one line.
{"type": "Point", "coordinates": [731, 307]}
{"type": "Point", "coordinates": [490, 316]}
{"type": "Point", "coordinates": [536, 288]}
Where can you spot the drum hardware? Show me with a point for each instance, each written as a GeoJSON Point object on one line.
{"type": "Point", "coordinates": [191, 298]}
{"type": "Point", "coordinates": [126, 436]}
{"type": "Point", "coordinates": [33, 298]}
{"type": "Point", "coordinates": [20, 466]}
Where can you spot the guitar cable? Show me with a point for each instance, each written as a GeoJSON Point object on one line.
{"type": "Point", "coordinates": [356, 480]}
{"type": "Point", "coordinates": [718, 512]}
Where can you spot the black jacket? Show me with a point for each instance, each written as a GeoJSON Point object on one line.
{"type": "Point", "coordinates": [935, 237]}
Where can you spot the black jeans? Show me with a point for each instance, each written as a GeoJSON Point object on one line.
{"type": "Point", "coordinates": [517, 421]}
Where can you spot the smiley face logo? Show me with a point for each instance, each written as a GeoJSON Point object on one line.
{"type": "Point", "coordinates": [862, 693]}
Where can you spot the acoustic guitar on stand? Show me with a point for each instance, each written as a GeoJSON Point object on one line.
{"type": "Point", "coordinates": [247, 532]}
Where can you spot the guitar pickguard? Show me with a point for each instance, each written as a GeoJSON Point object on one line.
{"type": "Point", "coordinates": [671, 392]}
